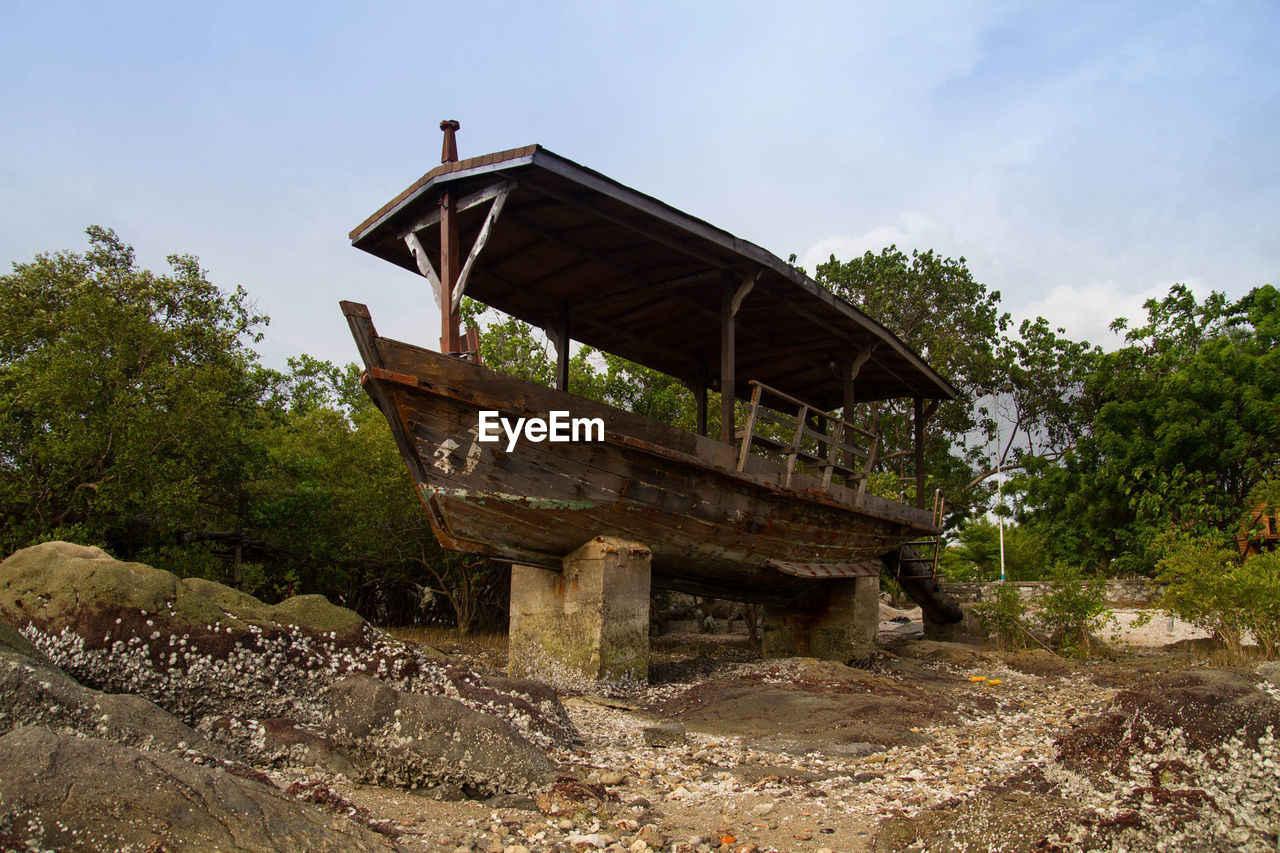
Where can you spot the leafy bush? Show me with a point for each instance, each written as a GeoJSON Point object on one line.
{"type": "Point", "coordinates": [1004, 618]}
{"type": "Point", "coordinates": [1074, 609]}
{"type": "Point", "coordinates": [1212, 587]}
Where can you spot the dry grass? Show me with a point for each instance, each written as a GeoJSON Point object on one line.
{"type": "Point", "coordinates": [489, 650]}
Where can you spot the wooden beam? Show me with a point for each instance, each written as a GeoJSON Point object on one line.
{"type": "Point", "coordinates": [580, 321]}
{"type": "Point", "coordinates": [589, 254]}
{"type": "Point", "coordinates": [647, 288]}
{"type": "Point", "coordinates": [495, 210]}
{"type": "Point", "coordinates": [859, 361]}
{"type": "Point", "coordinates": [851, 365]}
{"type": "Point", "coordinates": [562, 348]}
{"type": "Point", "coordinates": [640, 280]}
{"type": "Point", "coordinates": [811, 317]}
{"type": "Point", "coordinates": [700, 397]}
{"type": "Point", "coordinates": [741, 293]}
{"type": "Point", "coordinates": [424, 263]}
{"type": "Point", "coordinates": [669, 242]}
{"type": "Point", "coordinates": [728, 289]}
{"type": "Point", "coordinates": [449, 252]}
{"type": "Point", "coordinates": [919, 448]}
{"type": "Point", "coordinates": [465, 203]}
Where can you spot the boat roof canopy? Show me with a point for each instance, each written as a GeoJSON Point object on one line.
{"type": "Point", "coordinates": [642, 280]}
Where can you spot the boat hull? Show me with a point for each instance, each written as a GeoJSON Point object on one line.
{"type": "Point", "coordinates": [712, 530]}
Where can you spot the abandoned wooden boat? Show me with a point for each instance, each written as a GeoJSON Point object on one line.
{"type": "Point", "coordinates": [588, 259]}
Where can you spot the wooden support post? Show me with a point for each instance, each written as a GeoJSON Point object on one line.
{"type": "Point", "coordinates": [449, 270]}
{"type": "Point", "coordinates": [851, 364]}
{"type": "Point", "coordinates": [424, 263]}
{"type": "Point", "coordinates": [562, 348]}
{"type": "Point", "coordinates": [700, 397]}
{"type": "Point", "coordinates": [919, 448]}
{"type": "Point", "coordinates": [847, 401]}
{"type": "Point", "coordinates": [728, 289]}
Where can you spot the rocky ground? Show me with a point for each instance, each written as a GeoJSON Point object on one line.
{"type": "Point", "coordinates": [935, 747]}
{"type": "Point", "coordinates": [213, 722]}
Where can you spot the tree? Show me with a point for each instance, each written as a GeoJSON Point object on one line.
{"type": "Point", "coordinates": [128, 399]}
{"type": "Point", "coordinates": [1211, 585]}
{"type": "Point", "coordinates": [1041, 376]}
{"type": "Point", "coordinates": [340, 512]}
{"type": "Point", "coordinates": [976, 554]}
{"type": "Point", "coordinates": [1179, 427]}
{"type": "Point", "coordinates": [936, 307]}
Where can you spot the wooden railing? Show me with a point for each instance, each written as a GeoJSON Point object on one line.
{"type": "Point", "coordinates": [838, 452]}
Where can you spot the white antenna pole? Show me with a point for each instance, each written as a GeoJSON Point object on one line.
{"type": "Point", "coordinates": [999, 484]}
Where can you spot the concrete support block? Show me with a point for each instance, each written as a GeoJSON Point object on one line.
{"type": "Point", "coordinates": [843, 626]}
{"type": "Point", "coordinates": [589, 620]}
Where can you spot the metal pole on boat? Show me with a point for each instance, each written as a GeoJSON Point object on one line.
{"type": "Point", "coordinates": [449, 338]}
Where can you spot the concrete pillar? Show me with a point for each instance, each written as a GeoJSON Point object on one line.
{"type": "Point", "coordinates": [591, 619]}
{"type": "Point", "coordinates": [843, 626]}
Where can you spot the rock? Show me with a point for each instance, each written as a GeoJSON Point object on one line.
{"type": "Point", "coordinates": [940, 650]}
{"type": "Point", "coordinates": [204, 651]}
{"type": "Point", "coordinates": [443, 793]}
{"type": "Point", "coordinates": [411, 739]}
{"type": "Point", "coordinates": [664, 734]}
{"type": "Point", "coordinates": [13, 642]}
{"type": "Point", "coordinates": [652, 836]}
{"type": "Point", "coordinates": [1269, 671]}
{"type": "Point", "coordinates": [86, 794]}
{"type": "Point", "coordinates": [1207, 706]}
{"type": "Point", "coordinates": [285, 742]}
{"type": "Point", "coordinates": [39, 694]}
{"type": "Point", "coordinates": [569, 796]}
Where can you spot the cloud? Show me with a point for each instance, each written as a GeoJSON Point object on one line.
{"type": "Point", "coordinates": [912, 231]}
{"type": "Point", "coordinates": [1086, 311]}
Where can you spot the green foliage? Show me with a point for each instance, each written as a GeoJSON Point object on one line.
{"type": "Point", "coordinates": [341, 514]}
{"type": "Point", "coordinates": [976, 555]}
{"type": "Point", "coordinates": [1004, 618]}
{"type": "Point", "coordinates": [128, 400]}
{"type": "Point", "coordinates": [936, 307]}
{"type": "Point", "coordinates": [1074, 608]}
{"type": "Point", "coordinates": [133, 415]}
{"type": "Point", "coordinates": [1212, 587]}
{"type": "Point", "coordinates": [1179, 427]}
{"type": "Point", "coordinates": [1044, 377]}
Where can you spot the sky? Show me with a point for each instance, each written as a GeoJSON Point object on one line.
{"type": "Point", "coordinates": [1082, 157]}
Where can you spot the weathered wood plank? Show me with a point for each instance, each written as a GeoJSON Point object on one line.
{"type": "Point", "coordinates": [710, 529]}
{"type": "Point", "coordinates": [478, 246]}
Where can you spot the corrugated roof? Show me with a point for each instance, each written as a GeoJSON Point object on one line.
{"type": "Point", "coordinates": [643, 280]}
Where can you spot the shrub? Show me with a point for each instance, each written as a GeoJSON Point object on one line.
{"type": "Point", "coordinates": [1074, 608]}
{"type": "Point", "coordinates": [1212, 587]}
{"type": "Point", "coordinates": [1003, 618]}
